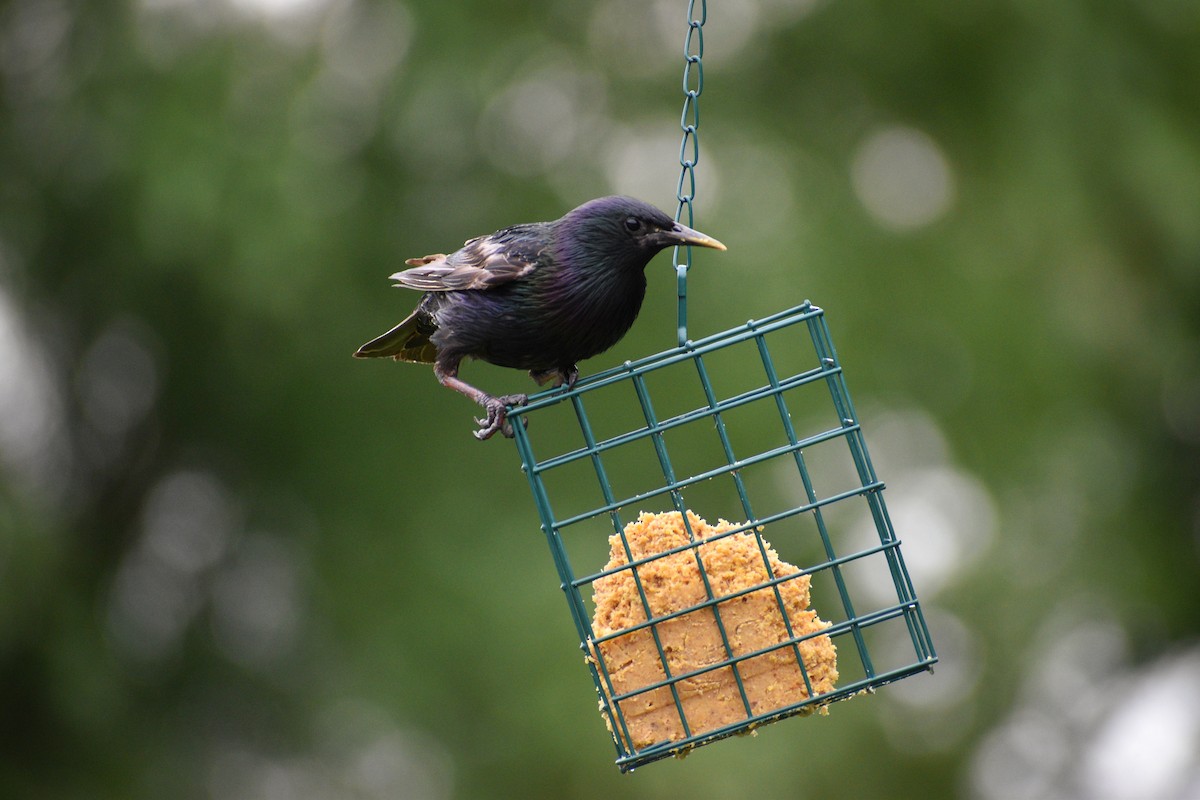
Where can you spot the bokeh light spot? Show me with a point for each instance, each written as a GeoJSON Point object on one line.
{"type": "Point", "coordinates": [902, 178]}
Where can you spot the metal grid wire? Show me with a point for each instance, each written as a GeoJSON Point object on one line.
{"type": "Point", "coordinates": [754, 424]}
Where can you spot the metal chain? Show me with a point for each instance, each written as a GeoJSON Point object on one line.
{"type": "Point", "coordinates": [689, 147]}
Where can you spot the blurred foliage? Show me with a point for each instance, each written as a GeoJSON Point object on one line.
{"type": "Point", "coordinates": [236, 563]}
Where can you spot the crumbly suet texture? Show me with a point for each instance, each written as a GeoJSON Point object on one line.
{"type": "Point", "coordinates": [692, 641]}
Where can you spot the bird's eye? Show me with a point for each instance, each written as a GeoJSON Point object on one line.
{"type": "Point", "coordinates": [632, 224]}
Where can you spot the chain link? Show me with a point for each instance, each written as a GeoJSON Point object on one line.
{"type": "Point", "coordinates": [689, 146]}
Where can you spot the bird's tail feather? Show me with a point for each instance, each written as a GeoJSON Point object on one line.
{"type": "Point", "coordinates": [408, 341]}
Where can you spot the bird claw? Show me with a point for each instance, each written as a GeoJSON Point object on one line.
{"type": "Point", "coordinates": [497, 416]}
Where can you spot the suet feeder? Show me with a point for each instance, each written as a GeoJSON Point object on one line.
{"type": "Point", "coordinates": [693, 631]}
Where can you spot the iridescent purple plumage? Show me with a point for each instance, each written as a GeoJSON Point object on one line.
{"type": "Point", "coordinates": [539, 297]}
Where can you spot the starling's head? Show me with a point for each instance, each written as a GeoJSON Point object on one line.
{"type": "Point", "coordinates": [628, 231]}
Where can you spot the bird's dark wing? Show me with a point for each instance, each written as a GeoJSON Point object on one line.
{"type": "Point", "coordinates": [483, 263]}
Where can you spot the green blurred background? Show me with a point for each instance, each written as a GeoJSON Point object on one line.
{"type": "Point", "coordinates": [236, 563]}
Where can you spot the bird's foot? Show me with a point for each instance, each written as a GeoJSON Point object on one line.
{"type": "Point", "coordinates": [497, 416]}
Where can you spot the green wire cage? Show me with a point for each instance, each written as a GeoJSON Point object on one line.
{"type": "Point", "coordinates": [802, 601]}
{"type": "Point", "coordinates": [803, 486]}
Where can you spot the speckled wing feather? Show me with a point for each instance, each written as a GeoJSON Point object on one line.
{"type": "Point", "coordinates": [483, 263]}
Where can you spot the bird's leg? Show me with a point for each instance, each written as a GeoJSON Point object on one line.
{"type": "Point", "coordinates": [497, 414]}
{"type": "Point", "coordinates": [542, 377]}
{"type": "Point", "coordinates": [560, 376]}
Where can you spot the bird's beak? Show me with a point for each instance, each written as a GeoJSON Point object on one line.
{"type": "Point", "coordinates": [682, 234]}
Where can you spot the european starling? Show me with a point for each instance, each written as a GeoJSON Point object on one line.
{"type": "Point", "coordinates": [539, 297]}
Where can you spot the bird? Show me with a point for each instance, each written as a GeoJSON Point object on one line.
{"type": "Point", "coordinates": [539, 296]}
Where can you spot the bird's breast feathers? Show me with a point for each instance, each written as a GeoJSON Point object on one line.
{"type": "Point", "coordinates": [595, 311]}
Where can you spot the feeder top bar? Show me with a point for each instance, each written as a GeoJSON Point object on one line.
{"type": "Point", "coordinates": [685, 351]}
